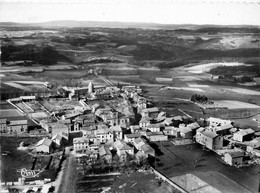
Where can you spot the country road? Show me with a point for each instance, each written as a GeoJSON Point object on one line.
{"type": "Point", "coordinates": [66, 180]}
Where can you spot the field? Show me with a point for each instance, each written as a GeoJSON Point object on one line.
{"type": "Point", "coordinates": [198, 69]}
{"type": "Point", "coordinates": [208, 182]}
{"type": "Point", "coordinates": [10, 113]}
{"type": "Point", "coordinates": [145, 182]}
{"type": "Point", "coordinates": [235, 104]}
{"type": "Point", "coordinates": [175, 161]}
{"type": "Point", "coordinates": [18, 159]}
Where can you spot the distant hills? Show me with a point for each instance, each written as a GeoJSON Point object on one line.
{"type": "Point", "coordinates": [72, 24]}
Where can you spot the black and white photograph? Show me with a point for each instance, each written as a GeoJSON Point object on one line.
{"type": "Point", "coordinates": [129, 96]}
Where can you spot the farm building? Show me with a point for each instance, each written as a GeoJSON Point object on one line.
{"type": "Point", "coordinates": [234, 158]}
{"type": "Point", "coordinates": [243, 135]}
{"type": "Point", "coordinates": [156, 136]}
{"type": "Point", "coordinates": [209, 139]}
{"type": "Point", "coordinates": [44, 145]}
{"type": "Point", "coordinates": [105, 154]}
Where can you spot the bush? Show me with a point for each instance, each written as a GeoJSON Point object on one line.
{"type": "Point", "coordinates": [199, 98]}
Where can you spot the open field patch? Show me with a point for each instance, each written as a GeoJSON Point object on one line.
{"type": "Point", "coordinates": [198, 85]}
{"type": "Point", "coordinates": [183, 88]}
{"type": "Point", "coordinates": [10, 113]}
{"type": "Point", "coordinates": [18, 159]}
{"type": "Point", "coordinates": [209, 181]}
{"type": "Point", "coordinates": [18, 86]}
{"type": "Point", "coordinates": [163, 80]}
{"type": "Point", "coordinates": [244, 91]}
{"type": "Point", "coordinates": [201, 68]}
{"type": "Point", "coordinates": [231, 104]}
{"type": "Point", "coordinates": [174, 161]}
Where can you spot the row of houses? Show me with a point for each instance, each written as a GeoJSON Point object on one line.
{"type": "Point", "coordinates": [13, 126]}
{"type": "Point", "coordinates": [92, 151]}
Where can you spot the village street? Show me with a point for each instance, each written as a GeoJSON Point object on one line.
{"type": "Point", "coordinates": [66, 179]}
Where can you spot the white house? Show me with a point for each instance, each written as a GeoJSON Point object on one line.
{"type": "Point", "coordinates": [123, 149]}
{"type": "Point", "coordinates": [144, 122]}
{"type": "Point", "coordinates": [209, 139]}
{"type": "Point", "coordinates": [44, 145]}
{"type": "Point", "coordinates": [103, 135]}
{"type": "Point", "coordinates": [154, 127]}
{"type": "Point", "coordinates": [80, 143]}
{"type": "Point", "coordinates": [243, 135]}
{"type": "Point", "coordinates": [217, 122]}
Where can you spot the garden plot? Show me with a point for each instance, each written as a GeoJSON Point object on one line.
{"type": "Point", "coordinates": [39, 115]}
{"type": "Point", "coordinates": [10, 113]}
{"type": "Point", "coordinates": [231, 104]}
{"type": "Point", "coordinates": [35, 105]}
{"type": "Point", "coordinates": [56, 105]}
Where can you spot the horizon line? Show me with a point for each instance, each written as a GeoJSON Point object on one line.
{"type": "Point", "coordinates": [128, 22]}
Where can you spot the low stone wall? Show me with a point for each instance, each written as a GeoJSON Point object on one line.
{"type": "Point", "coordinates": [164, 178]}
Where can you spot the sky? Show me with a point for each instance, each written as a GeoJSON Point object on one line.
{"type": "Point", "coordinates": [234, 12]}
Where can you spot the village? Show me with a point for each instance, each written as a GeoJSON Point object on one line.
{"type": "Point", "coordinates": [112, 124]}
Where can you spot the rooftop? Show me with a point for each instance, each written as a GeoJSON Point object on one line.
{"type": "Point", "coordinates": [44, 141]}
{"type": "Point", "coordinates": [80, 140]}
{"type": "Point", "coordinates": [209, 134]}
{"type": "Point", "coordinates": [133, 135]}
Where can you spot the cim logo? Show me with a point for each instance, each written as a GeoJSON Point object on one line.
{"type": "Point", "coordinates": [29, 173]}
